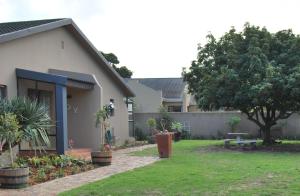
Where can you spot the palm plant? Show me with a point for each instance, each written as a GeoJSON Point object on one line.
{"type": "Point", "coordinates": [33, 119]}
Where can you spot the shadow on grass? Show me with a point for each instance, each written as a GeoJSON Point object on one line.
{"type": "Point", "coordinates": [290, 147]}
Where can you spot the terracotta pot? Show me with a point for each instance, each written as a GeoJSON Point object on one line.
{"type": "Point", "coordinates": [164, 144]}
{"type": "Point", "coordinates": [14, 178]}
{"type": "Point", "coordinates": [102, 157]}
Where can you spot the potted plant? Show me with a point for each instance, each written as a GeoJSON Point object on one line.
{"type": "Point", "coordinates": [21, 120]}
{"type": "Point", "coordinates": [104, 155]}
{"type": "Point", "coordinates": [10, 133]}
{"type": "Point", "coordinates": [233, 123]}
{"type": "Point", "coordinates": [151, 122]}
{"type": "Point", "coordinates": [164, 141]}
{"type": "Point", "coordinates": [177, 127]}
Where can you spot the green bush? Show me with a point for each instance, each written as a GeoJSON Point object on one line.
{"type": "Point", "coordinates": [140, 135]}
{"type": "Point", "coordinates": [233, 123]}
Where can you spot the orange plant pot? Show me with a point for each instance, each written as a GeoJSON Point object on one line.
{"type": "Point", "coordinates": [164, 144]}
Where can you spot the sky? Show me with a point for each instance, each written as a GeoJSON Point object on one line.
{"type": "Point", "coordinates": [156, 38]}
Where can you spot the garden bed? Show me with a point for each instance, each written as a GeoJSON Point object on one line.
{"type": "Point", "coordinates": [50, 167]}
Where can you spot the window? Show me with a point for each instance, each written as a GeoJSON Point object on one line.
{"type": "Point", "coordinates": [2, 91]}
{"type": "Point", "coordinates": [174, 108]}
{"type": "Point", "coordinates": [130, 117]}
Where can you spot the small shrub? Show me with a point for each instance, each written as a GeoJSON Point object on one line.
{"type": "Point", "coordinates": [41, 175]}
{"type": "Point", "coordinates": [151, 139]}
{"type": "Point", "coordinates": [233, 123]}
{"type": "Point", "coordinates": [140, 135]}
{"type": "Point", "coordinates": [176, 126]}
{"type": "Point", "coordinates": [151, 122]}
{"type": "Point", "coordinates": [60, 173]}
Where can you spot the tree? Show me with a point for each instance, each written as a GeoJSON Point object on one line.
{"type": "Point", "coordinates": [123, 71]}
{"type": "Point", "coordinates": [113, 59]}
{"type": "Point", "coordinates": [253, 71]}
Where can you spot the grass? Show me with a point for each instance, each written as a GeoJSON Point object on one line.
{"type": "Point", "coordinates": [205, 168]}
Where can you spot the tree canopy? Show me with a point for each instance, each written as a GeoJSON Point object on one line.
{"type": "Point", "coordinates": [113, 59]}
{"type": "Point", "coordinates": [254, 71]}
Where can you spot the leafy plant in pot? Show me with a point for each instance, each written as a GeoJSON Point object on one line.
{"type": "Point", "coordinates": [13, 176]}
{"type": "Point", "coordinates": [21, 120]}
{"type": "Point", "coordinates": [151, 122]}
{"type": "Point", "coordinates": [164, 141]}
{"type": "Point", "coordinates": [177, 127]}
{"type": "Point", "coordinates": [104, 155]}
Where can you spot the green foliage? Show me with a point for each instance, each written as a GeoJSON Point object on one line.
{"type": "Point", "coordinates": [139, 134]}
{"type": "Point", "coordinates": [113, 59]}
{"type": "Point", "coordinates": [101, 118]}
{"type": "Point", "coordinates": [58, 161]}
{"type": "Point", "coordinates": [41, 175]}
{"type": "Point", "coordinates": [9, 131]}
{"type": "Point", "coordinates": [123, 71]}
{"type": "Point", "coordinates": [164, 119]}
{"type": "Point", "coordinates": [233, 122]}
{"type": "Point", "coordinates": [151, 122]}
{"type": "Point", "coordinates": [177, 126]}
{"type": "Point", "coordinates": [32, 117]}
{"type": "Point", "coordinates": [102, 115]}
{"type": "Point", "coordinates": [254, 71]}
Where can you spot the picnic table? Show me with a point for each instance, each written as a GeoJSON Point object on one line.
{"type": "Point", "coordinates": [239, 140]}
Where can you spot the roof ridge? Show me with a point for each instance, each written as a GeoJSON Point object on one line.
{"type": "Point", "coordinates": [50, 19]}
{"type": "Point", "coordinates": [157, 78]}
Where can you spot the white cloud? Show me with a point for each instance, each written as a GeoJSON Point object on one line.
{"type": "Point", "coordinates": [156, 38]}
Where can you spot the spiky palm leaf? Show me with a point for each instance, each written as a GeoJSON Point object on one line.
{"type": "Point", "coordinates": [33, 119]}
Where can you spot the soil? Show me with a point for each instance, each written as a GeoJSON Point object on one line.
{"type": "Point", "coordinates": [56, 172]}
{"type": "Point", "coordinates": [291, 148]}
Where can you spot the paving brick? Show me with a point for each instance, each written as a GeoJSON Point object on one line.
{"type": "Point", "coordinates": [121, 162]}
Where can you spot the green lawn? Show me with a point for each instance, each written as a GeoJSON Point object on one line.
{"type": "Point", "coordinates": [204, 168]}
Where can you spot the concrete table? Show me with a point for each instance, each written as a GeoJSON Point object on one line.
{"type": "Point", "coordinates": [238, 135]}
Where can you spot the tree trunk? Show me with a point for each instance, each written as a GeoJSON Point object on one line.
{"type": "Point", "coordinates": [11, 154]}
{"type": "Point", "coordinates": [268, 140]}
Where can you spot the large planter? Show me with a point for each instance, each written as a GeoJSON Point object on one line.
{"type": "Point", "coordinates": [102, 157]}
{"type": "Point", "coordinates": [164, 144]}
{"type": "Point", "coordinates": [14, 178]}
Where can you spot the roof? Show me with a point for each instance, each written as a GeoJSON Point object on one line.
{"type": "Point", "coordinates": [172, 88]}
{"type": "Point", "coordinates": [15, 30]}
{"type": "Point", "coordinates": [81, 77]}
{"type": "Point", "coordinates": [10, 27]}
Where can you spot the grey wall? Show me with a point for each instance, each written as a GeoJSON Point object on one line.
{"type": "Point", "coordinates": [147, 99]}
{"type": "Point", "coordinates": [208, 124]}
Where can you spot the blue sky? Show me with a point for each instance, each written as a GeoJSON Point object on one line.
{"type": "Point", "coordinates": [156, 38]}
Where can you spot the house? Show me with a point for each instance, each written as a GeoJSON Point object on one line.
{"type": "Point", "coordinates": [54, 62]}
{"type": "Point", "coordinates": [171, 93]}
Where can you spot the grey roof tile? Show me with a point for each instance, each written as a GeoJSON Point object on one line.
{"type": "Point", "coordinates": [171, 88]}
{"type": "Point", "coordinates": [10, 27]}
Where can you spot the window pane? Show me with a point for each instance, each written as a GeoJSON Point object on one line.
{"type": "Point", "coordinates": [2, 91]}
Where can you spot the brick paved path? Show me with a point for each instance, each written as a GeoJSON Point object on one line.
{"type": "Point", "coordinates": [121, 162]}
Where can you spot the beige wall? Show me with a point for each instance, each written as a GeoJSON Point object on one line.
{"type": "Point", "coordinates": [44, 51]}
{"type": "Point", "coordinates": [147, 99]}
{"type": "Point", "coordinates": [214, 124]}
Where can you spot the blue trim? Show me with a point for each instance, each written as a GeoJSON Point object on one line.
{"type": "Point", "coordinates": [60, 103]}
{"type": "Point", "coordinates": [61, 119]}
{"type": "Point", "coordinates": [45, 77]}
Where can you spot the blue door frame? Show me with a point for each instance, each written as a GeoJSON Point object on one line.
{"type": "Point", "coordinates": [60, 83]}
